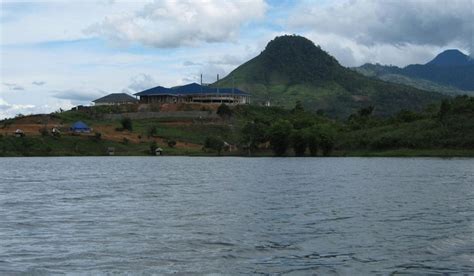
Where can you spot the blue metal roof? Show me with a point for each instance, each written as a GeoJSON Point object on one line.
{"type": "Point", "coordinates": [190, 89]}
{"type": "Point", "coordinates": [80, 125]}
{"type": "Point", "coordinates": [159, 90]}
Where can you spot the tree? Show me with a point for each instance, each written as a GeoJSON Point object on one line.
{"type": "Point", "coordinates": [279, 135]}
{"type": "Point", "coordinates": [407, 116]}
{"type": "Point", "coordinates": [298, 107]}
{"type": "Point", "coordinates": [312, 138]}
{"type": "Point", "coordinates": [153, 147]}
{"type": "Point", "coordinates": [327, 140]}
{"type": "Point", "coordinates": [214, 143]}
{"type": "Point", "coordinates": [126, 124]}
{"type": "Point", "coordinates": [224, 111]}
{"type": "Point", "coordinates": [298, 141]}
{"type": "Point", "coordinates": [444, 108]}
{"type": "Point", "coordinates": [366, 112]}
{"type": "Point", "coordinates": [252, 135]}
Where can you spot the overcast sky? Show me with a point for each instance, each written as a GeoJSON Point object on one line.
{"type": "Point", "coordinates": [58, 54]}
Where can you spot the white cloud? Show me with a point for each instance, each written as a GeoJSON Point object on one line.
{"type": "Point", "coordinates": [351, 53]}
{"type": "Point", "coordinates": [60, 20]}
{"type": "Point", "coordinates": [174, 23]}
{"type": "Point", "coordinates": [408, 29]}
{"type": "Point", "coordinates": [142, 82]}
{"type": "Point", "coordinates": [8, 110]}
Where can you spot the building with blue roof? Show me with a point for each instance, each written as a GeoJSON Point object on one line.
{"type": "Point", "coordinates": [193, 93]}
{"type": "Point", "coordinates": [79, 127]}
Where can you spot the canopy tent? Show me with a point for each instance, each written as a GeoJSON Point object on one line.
{"type": "Point", "coordinates": [80, 126]}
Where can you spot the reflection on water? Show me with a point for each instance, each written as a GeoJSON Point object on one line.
{"type": "Point", "coordinates": [236, 215]}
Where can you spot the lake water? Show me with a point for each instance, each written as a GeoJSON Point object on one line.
{"type": "Point", "coordinates": [168, 215]}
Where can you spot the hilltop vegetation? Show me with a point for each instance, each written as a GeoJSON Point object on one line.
{"type": "Point", "coordinates": [292, 68]}
{"type": "Point", "coordinates": [445, 129]}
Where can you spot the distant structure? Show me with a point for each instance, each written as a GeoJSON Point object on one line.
{"type": "Point", "coordinates": [193, 93]}
{"type": "Point", "coordinates": [115, 99]}
{"type": "Point", "coordinates": [19, 133]}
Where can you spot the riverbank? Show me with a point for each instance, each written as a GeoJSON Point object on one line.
{"type": "Point", "coordinates": [445, 131]}
{"type": "Point", "coordinates": [91, 146]}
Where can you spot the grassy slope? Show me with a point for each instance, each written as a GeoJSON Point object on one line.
{"type": "Point", "coordinates": [292, 69]}
{"type": "Point", "coordinates": [415, 134]}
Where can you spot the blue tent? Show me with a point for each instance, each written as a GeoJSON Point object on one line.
{"type": "Point", "coordinates": [80, 126]}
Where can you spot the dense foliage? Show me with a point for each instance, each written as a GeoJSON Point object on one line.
{"type": "Point", "coordinates": [448, 125]}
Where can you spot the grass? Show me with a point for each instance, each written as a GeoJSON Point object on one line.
{"type": "Point", "coordinates": [194, 133]}
{"type": "Point", "coordinates": [78, 146]}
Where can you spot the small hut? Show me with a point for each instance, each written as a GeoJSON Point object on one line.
{"type": "Point", "coordinates": [56, 131]}
{"type": "Point", "coordinates": [158, 151]}
{"type": "Point", "coordinates": [19, 133]}
{"type": "Point", "coordinates": [111, 151]}
{"type": "Point", "coordinates": [80, 127]}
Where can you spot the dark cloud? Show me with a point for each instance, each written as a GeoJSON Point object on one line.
{"type": "Point", "coordinates": [14, 86]}
{"type": "Point", "coordinates": [79, 97]}
{"type": "Point", "coordinates": [432, 23]}
{"type": "Point", "coordinates": [190, 63]}
{"type": "Point", "coordinates": [39, 83]}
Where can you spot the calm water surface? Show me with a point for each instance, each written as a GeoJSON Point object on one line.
{"type": "Point", "coordinates": [341, 216]}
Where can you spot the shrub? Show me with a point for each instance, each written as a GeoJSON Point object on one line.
{"type": "Point", "coordinates": [152, 131]}
{"type": "Point", "coordinates": [214, 143]}
{"type": "Point", "coordinates": [224, 111]}
{"type": "Point", "coordinates": [44, 131]}
{"type": "Point", "coordinates": [153, 147]}
{"type": "Point", "coordinates": [127, 124]}
{"type": "Point", "coordinates": [171, 143]}
{"type": "Point", "coordinates": [98, 136]}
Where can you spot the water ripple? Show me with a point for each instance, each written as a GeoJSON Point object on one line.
{"type": "Point", "coordinates": [179, 215]}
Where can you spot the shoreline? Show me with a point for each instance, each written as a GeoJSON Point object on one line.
{"type": "Point", "coordinates": [398, 153]}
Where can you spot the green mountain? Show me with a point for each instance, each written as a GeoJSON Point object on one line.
{"type": "Point", "coordinates": [451, 72]}
{"type": "Point", "coordinates": [292, 68]}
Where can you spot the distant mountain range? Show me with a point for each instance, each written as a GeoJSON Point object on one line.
{"type": "Point", "coordinates": [293, 68]}
{"type": "Point", "coordinates": [450, 72]}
